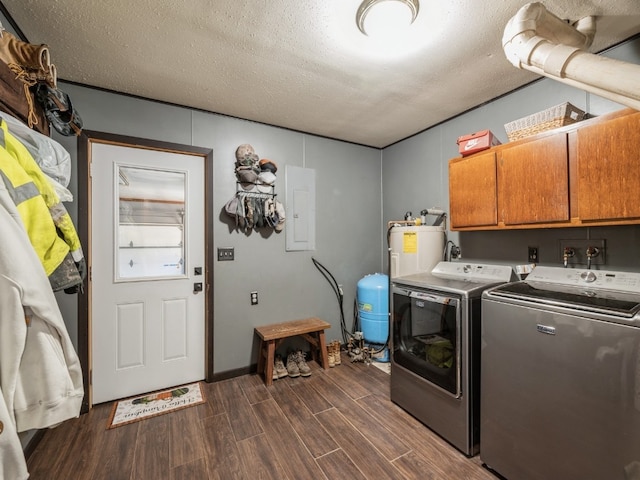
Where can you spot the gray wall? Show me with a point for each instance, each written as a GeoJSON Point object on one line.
{"type": "Point", "coordinates": [348, 225]}
{"type": "Point", "coordinates": [358, 190]}
{"type": "Point", "coordinates": [415, 174]}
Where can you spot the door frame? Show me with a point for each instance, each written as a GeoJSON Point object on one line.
{"type": "Point", "coordinates": [85, 141]}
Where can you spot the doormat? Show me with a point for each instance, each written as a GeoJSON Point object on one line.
{"type": "Point", "coordinates": [154, 404]}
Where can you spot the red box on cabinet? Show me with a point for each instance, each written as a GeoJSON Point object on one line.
{"type": "Point", "coordinates": [476, 142]}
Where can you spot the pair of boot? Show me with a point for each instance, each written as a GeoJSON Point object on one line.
{"type": "Point", "coordinates": [296, 366]}
{"type": "Point", "coordinates": [30, 62]}
{"type": "Point", "coordinates": [279, 370]}
{"type": "Point", "coordinates": [333, 350]}
{"type": "Point", "coordinates": [31, 65]}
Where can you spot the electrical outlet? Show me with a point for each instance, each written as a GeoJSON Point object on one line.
{"type": "Point", "coordinates": [225, 254]}
{"type": "Point", "coordinates": [533, 255]}
{"type": "Point", "coordinates": [254, 298]}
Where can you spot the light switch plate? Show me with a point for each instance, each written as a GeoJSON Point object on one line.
{"type": "Point", "coordinates": [225, 254]}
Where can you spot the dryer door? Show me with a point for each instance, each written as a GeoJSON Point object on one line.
{"type": "Point", "coordinates": [426, 336]}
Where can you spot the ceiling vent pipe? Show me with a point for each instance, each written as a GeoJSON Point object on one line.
{"type": "Point", "coordinates": [538, 41]}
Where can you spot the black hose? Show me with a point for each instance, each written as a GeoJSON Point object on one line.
{"type": "Point", "coordinates": [339, 296]}
{"type": "Point", "coordinates": [356, 315]}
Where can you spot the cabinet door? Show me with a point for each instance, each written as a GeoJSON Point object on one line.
{"type": "Point", "coordinates": [609, 170]}
{"type": "Point", "coordinates": [533, 182]}
{"type": "Point", "coordinates": [472, 191]}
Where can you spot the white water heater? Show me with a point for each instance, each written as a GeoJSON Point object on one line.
{"type": "Point", "coordinates": [415, 249]}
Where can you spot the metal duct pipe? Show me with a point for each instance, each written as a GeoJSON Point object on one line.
{"type": "Point", "coordinates": [538, 41]}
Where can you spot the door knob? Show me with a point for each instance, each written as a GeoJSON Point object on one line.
{"type": "Point", "coordinates": [197, 287]}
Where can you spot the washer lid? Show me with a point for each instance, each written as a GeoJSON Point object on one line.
{"type": "Point", "coordinates": [602, 291]}
{"type": "Point", "coordinates": [602, 301]}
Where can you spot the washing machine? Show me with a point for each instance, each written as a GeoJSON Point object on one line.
{"type": "Point", "coordinates": [560, 384]}
{"type": "Point", "coordinates": [435, 346]}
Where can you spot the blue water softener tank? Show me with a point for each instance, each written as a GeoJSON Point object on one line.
{"type": "Point", "coordinates": [373, 307]}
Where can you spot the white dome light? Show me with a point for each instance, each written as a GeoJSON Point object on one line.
{"type": "Point", "coordinates": [386, 17]}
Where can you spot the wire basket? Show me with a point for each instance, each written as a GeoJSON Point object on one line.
{"type": "Point", "coordinates": [558, 116]}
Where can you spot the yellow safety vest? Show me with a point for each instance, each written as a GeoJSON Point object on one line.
{"type": "Point", "coordinates": [46, 220]}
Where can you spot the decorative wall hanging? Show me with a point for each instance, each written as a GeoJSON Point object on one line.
{"type": "Point", "coordinates": [254, 205]}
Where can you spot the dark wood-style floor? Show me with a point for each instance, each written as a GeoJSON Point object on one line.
{"type": "Point", "coordinates": [335, 424]}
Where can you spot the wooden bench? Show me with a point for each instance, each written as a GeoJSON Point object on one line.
{"type": "Point", "coordinates": [311, 329]}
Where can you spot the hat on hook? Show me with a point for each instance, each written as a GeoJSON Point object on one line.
{"type": "Point", "coordinates": [243, 150]}
{"type": "Point", "coordinates": [246, 156]}
{"type": "Point", "coordinates": [247, 177]}
{"type": "Point", "coordinates": [234, 208]}
{"type": "Point", "coordinates": [231, 206]}
{"type": "Point", "coordinates": [249, 160]}
{"type": "Point", "coordinates": [280, 213]}
{"type": "Point", "coordinates": [270, 215]}
{"type": "Point", "coordinates": [268, 165]}
{"type": "Point", "coordinates": [265, 182]}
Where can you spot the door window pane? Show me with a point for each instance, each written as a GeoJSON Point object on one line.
{"type": "Point", "coordinates": [150, 223]}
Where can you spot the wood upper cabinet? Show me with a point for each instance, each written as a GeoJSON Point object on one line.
{"type": "Point", "coordinates": [608, 170]}
{"type": "Point", "coordinates": [525, 184]}
{"type": "Point", "coordinates": [472, 191]}
{"type": "Point", "coordinates": [583, 174]}
{"type": "Point", "coordinates": [533, 182]}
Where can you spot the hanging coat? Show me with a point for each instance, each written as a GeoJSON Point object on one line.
{"type": "Point", "coordinates": [13, 464]}
{"type": "Point", "coordinates": [40, 373]}
{"type": "Point", "coordinates": [47, 221]}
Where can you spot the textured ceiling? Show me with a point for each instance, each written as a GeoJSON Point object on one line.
{"type": "Point", "coordinates": [301, 65]}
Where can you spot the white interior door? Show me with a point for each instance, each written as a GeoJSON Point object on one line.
{"type": "Point", "coordinates": [147, 245]}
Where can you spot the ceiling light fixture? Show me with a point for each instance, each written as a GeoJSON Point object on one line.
{"type": "Point", "coordinates": [388, 15]}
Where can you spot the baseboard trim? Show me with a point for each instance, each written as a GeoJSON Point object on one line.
{"type": "Point", "coordinates": [238, 372]}
{"type": "Point", "coordinates": [33, 442]}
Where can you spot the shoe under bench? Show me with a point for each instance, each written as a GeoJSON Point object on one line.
{"type": "Point", "coordinates": [271, 336]}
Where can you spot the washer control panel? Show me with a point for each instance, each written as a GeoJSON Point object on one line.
{"type": "Point", "coordinates": [474, 272]}
{"type": "Point", "coordinates": [601, 279]}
